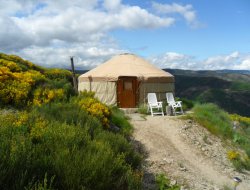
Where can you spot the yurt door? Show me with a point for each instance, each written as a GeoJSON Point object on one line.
{"type": "Point", "coordinates": [126, 92]}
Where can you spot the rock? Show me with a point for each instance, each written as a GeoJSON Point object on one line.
{"type": "Point", "coordinates": [216, 188]}
{"type": "Point", "coordinates": [197, 142]}
{"type": "Point", "coordinates": [173, 182]}
{"type": "Point", "coordinates": [193, 138]}
{"type": "Point", "coordinates": [203, 149]}
{"type": "Point", "coordinates": [183, 188]}
{"type": "Point", "coordinates": [161, 164]}
{"type": "Point", "coordinates": [183, 169]}
{"type": "Point", "coordinates": [236, 125]}
{"type": "Point", "coordinates": [169, 161]}
{"type": "Point", "coordinates": [185, 127]}
{"type": "Point", "coordinates": [189, 121]}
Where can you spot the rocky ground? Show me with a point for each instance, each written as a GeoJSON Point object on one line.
{"type": "Point", "coordinates": [186, 152]}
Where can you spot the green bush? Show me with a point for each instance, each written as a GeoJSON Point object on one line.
{"type": "Point", "coordinates": [163, 183]}
{"type": "Point", "coordinates": [143, 109]}
{"type": "Point", "coordinates": [186, 104]}
{"type": "Point", "coordinates": [119, 119]}
{"type": "Point", "coordinates": [59, 146]}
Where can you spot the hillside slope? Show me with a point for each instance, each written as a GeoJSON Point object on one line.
{"type": "Point", "coordinates": [231, 91]}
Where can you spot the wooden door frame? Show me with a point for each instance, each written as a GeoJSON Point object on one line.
{"type": "Point", "coordinates": [136, 90]}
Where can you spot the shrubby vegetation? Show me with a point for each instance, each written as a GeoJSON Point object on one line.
{"type": "Point", "coordinates": [61, 146]}
{"type": "Point", "coordinates": [163, 183]}
{"type": "Point", "coordinates": [186, 104]}
{"type": "Point", "coordinates": [233, 127]}
{"type": "Point", "coordinates": [56, 140]}
{"type": "Point", "coordinates": [22, 83]}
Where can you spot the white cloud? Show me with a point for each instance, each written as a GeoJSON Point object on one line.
{"type": "Point", "coordinates": [48, 32]}
{"type": "Point", "coordinates": [112, 4]}
{"type": "Point", "coordinates": [187, 11]}
{"type": "Point", "coordinates": [235, 60]}
{"type": "Point", "coordinates": [86, 56]}
{"type": "Point", "coordinates": [75, 22]}
{"type": "Point", "coordinates": [41, 30]}
{"type": "Point", "coordinates": [174, 60]}
{"type": "Point", "coordinates": [78, 22]}
{"type": "Point", "coordinates": [244, 65]}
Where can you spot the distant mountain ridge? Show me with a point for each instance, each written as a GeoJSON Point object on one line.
{"type": "Point", "coordinates": [225, 74]}
{"type": "Point", "coordinates": [224, 71]}
{"type": "Point", "coordinates": [80, 71]}
{"type": "Point", "coordinates": [229, 89]}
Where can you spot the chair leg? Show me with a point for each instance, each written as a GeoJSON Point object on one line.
{"type": "Point", "coordinates": [152, 114]}
{"type": "Point", "coordinates": [174, 112]}
{"type": "Point", "coordinates": [182, 111]}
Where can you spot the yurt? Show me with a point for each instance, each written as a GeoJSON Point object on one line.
{"type": "Point", "coordinates": [125, 80]}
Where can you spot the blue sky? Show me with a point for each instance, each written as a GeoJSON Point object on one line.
{"type": "Point", "coordinates": [224, 28]}
{"type": "Point", "coordinates": [198, 34]}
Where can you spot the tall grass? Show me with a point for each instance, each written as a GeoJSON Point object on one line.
{"type": "Point", "coordinates": [120, 120]}
{"type": "Point", "coordinates": [214, 119]}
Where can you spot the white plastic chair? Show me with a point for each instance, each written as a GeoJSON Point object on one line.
{"type": "Point", "coordinates": [154, 104]}
{"type": "Point", "coordinates": [174, 104]}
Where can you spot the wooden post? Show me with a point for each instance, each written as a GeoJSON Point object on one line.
{"type": "Point", "coordinates": [73, 74]}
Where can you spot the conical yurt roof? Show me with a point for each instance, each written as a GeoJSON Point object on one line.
{"type": "Point", "coordinates": [126, 65]}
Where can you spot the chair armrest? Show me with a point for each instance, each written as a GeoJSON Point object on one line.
{"type": "Point", "coordinates": [171, 103]}
{"type": "Point", "coordinates": [159, 103]}
{"type": "Point", "coordinates": [179, 103]}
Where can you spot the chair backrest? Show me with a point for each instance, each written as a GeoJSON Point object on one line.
{"type": "Point", "coordinates": [170, 97]}
{"type": "Point", "coordinates": [152, 99]}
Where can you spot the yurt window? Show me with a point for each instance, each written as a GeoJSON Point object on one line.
{"type": "Point", "coordinates": [127, 85]}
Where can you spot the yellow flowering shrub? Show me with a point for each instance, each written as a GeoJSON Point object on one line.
{"type": "Point", "coordinates": [22, 118]}
{"type": "Point", "coordinates": [38, 130]}
{"type": "Point", "coordinates": [23, 83]}
{"type": "Point", "coordinates": [57, 73]}
{"type": "Point", "coordinates": [96, 109]}
{"type": "Point", "coordinates": [10, 64]}
{"type": "Point", "coordinates": [13, 118]}
{"type": "Point", "coordinates": [85, 93]}
{"type": "Point", "coordinates": [46, 95]}
{"type": "Point", "coordinates": [7, 118]}
{"type": "Point", "coordinates": [15, 87]}
{"type": "Point", "coordinates": [5, 74]}
{"type": "Point", "coordinates": [13, 90]}
{"type": "Point", "coordinates": [236, 117]}
{"type": "Point", "coordinates": [233, 155]}
{"type": "Point", "coordinates": [23, 64]}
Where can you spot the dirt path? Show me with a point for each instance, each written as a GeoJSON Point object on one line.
{"type": "Point", "coordinates": [186, 152]}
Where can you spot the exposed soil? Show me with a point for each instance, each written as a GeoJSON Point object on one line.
{"type": "Point", "coordinates": [186, 152]}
